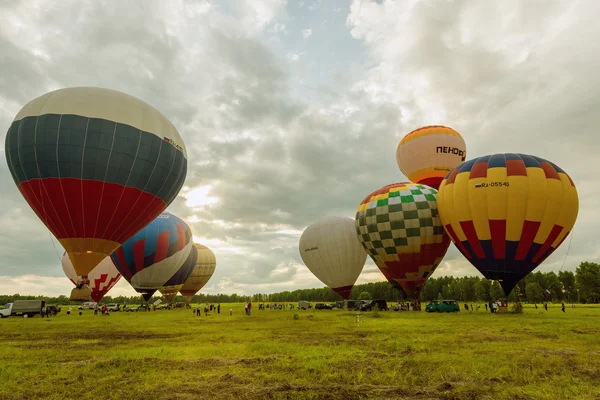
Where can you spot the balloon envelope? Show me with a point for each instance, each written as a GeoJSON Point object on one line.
{"type": "Point", "coordinates": [507, 212]}
{"type": "Point", "coordinates": [427, 154]}
{"type": "Point", "coordinates": [400, 228]}
{"type": "Point", "coordinates": [204, 267]}
{"type": "Point", "coordinates": [96, 166]}
{"type": "Point", "coordinates": [153, 255]}
{"type": "Point", "coordinates": [175, 283]}
{"type": "Point", "coordinates": [331, 252]}
{"type": "Point", "coordinates": [102, 278]}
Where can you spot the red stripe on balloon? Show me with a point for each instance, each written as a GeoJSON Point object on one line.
{"type": "Point", "coordinates": [498, 232]}
{"type": "Point", "coordinates": [457, 242]}
{"type": "Point", "coordinates": [123, 263]}
{"type": "Point", "coordinates": [479, 170]}
{"type": "Point", "coordinates": [180, 237]}
{"type": "Point", "coordinates": [515, 168]}
{"type": "Point", "coordinates": [162, 246]}
{"type": "Point", "coordinates": [556, 230]}
{"type": "Point", "coordinates": [138, 254]}
{"type": "Point", "coordinates": [530, 229]}
{"type": "Point", "coordinates": [471, 234]}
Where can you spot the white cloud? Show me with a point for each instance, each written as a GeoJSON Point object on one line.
{"type": "Point", "coordinates": [306, 33]}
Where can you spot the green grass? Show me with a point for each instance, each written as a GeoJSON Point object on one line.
{"type": "Point", "coordinates": [322, 355]}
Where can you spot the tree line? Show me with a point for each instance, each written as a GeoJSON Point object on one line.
{"type": "Point", "coordinates": [583, 286]}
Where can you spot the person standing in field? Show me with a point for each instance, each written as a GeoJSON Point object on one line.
{"type": "Point", "coordinates": [230, 312]}
{"type": "Point", "coordinates": [198, 313]}
{"type": "Point", "coordinates": [219, 308]}
{"type": "Point", "coordinates": [562, 307]}
{"type": "Point", "coordinates": [546, 306]}
{"type": "Point", "coordinates": [249, 308]}
{"type": "Point", "coordinates": [246, 308]}
{"type": "Point", "coordinates": [69, 311]}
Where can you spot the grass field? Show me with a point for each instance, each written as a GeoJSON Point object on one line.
{"type": "Point", "coordinates": [321, 355]}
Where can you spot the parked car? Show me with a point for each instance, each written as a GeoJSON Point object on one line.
{"type": "Point", "coordinates": [304, 305]}
{"type": "Point", "coordinates": [371, 304]}
{"type": "Point", "coordinates": [443, 306]}
{"type": "Point", "coordinates": [143, 307]}
{"type": "Point", "coordinates": [113, 307]}
{"type": "Point", "coordinates": [323, 306]}
{"type": "Point", "coordinates": [88, 305]}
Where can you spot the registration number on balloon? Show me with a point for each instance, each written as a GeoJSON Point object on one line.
{"type": "Point", "coordinates": [492, 184]}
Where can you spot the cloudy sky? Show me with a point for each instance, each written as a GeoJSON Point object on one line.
{"type": "Point", "coordinates": [292, 111]}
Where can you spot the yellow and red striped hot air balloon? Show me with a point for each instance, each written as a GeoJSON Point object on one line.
{"type": "Point", "coordinates": [400, 228]}
{"type": "Point", "coordinates": [427, 154]}
{"type": "Point", "coordinates": [507, 212]}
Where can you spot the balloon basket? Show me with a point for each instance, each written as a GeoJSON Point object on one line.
{"type": "Point", "coordinates": [83, 294]}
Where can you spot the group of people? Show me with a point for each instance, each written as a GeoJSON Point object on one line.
{"type": "Point", "coordinates": [414, 305]}
{"type": "Point", "coordinates": [274, 306]}
{"type": "Point", "coordinates": [209, 308]}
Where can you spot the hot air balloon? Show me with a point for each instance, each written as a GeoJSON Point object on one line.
{"type": "Point", "coordinates": [153, 255]}
{"type": "Point", "coordinates": [175, 283]}
{"type": "Point", "coordinates": [102, 278]}
{"type": "Point", "coordinates": [427, 154]}
{"type": "Point", "coordinates": [96, 166]}
{"type": "Point", "coordinates": [507, 212]}
{"type": "Point", "coordinates": [331, 252]}
{"type": "Point", "coordinates": [400, 228]}
{"type": "Point", "coordinates": [204, 268]}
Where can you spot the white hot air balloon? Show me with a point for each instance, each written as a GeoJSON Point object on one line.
{"type": "Point", "coordinates": [332, 252]}
{"type": "Point", "coordinates": [102, 278]}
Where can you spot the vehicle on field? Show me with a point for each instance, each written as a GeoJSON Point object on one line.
{"type": "Point", "coordinates": [143, 307]}
{"type": "Point", "coordinates": [304, 305]}
{"type": "Point", "coordinates": [443, 306]}
{"type": "Point", "coordinates": [5, 310]}
{"type": "Point", "coordinates": [113, 307]}
{"type": "Point", "coordinates": [23, 307]}
{"type": "Point", "coordinates": [352, 304]}
{"type": "Point", "coordinates": [163, 306]}
{"type": "Point", "coordinates": [371, 304]}
{"type": "Point", "coordinates": [323, 306]}
{"type": "Point", "coordinates": [88, 305]}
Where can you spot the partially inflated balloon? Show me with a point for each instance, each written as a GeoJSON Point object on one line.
{"type": "Point", "coordinates": [507, 212]}
{"type": "Point", "coordinates": [102, 278]}
{"type": "Point", "coordinates": [96, 166]}
{"type": "Point", "coordinates": [204, 268]}
{"type": "Point", "coordinates": [153, 255]}
{"type": "Point", "coordinates": [427, 154]}
{"type": "Point", "coordinates": [400, 228]}
{"type": "Point", "coordinates": [175, 283]}
{"type": "Point", "coordinates": [331, 252]}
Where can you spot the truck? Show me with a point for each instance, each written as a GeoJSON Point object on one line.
{"type": "Point", "coordinates": [23, 307]}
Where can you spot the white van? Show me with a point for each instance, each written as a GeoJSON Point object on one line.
{"type": "Point", "coordinates": [88, 305]}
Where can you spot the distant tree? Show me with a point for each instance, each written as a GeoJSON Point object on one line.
{"type": "Point", "coordinates": [534, 292]}
{"type": "Point", "coordinates": [567, 279]}
{"type": "Point", "coordinates": [496, 291]}
{"type": "Point", "coordinates": [365, 296]}
{"type": "Point", "coordinates": [587, 278]}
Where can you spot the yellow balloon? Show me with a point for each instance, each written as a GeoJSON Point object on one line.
{"type": "Point", "coordinates": [507, 213]}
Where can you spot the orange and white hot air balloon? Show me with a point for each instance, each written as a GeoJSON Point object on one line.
{"type": "Point", "coordinates": [427, 154]}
